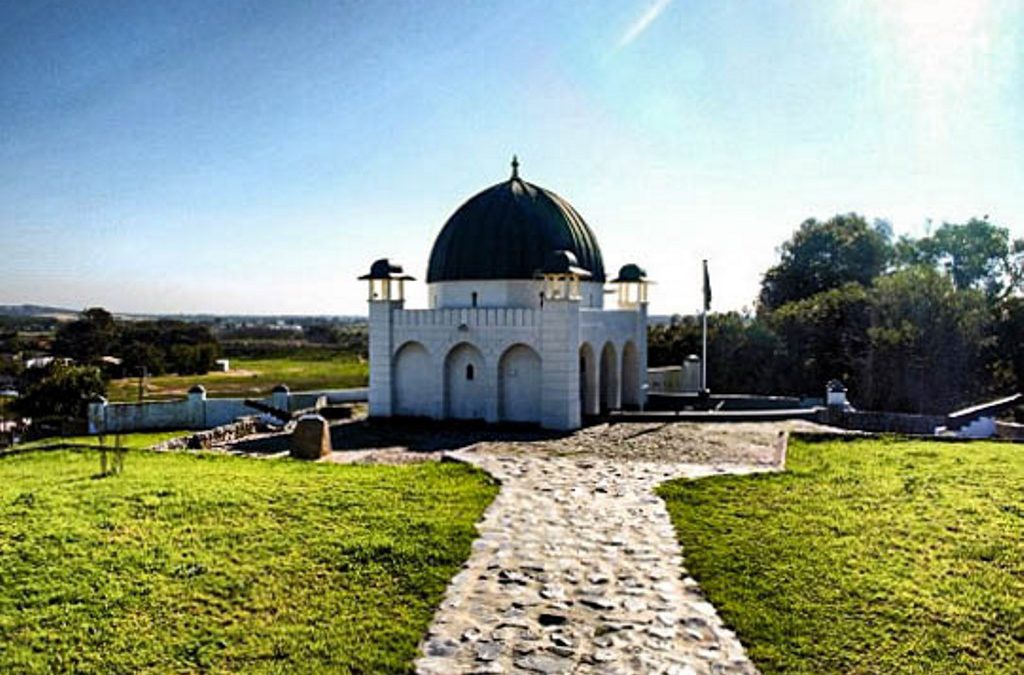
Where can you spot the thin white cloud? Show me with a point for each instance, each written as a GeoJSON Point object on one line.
{"type": "Point", "coordinates": [642, 22]}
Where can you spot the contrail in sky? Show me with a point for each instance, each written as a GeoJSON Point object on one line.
{"type": "Point", "coordinates": [643, 22]}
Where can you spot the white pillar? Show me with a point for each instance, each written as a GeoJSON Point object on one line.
{"type": "Point", "coordinates": [560, 364]}
{"type": "Point", "coordinates": [641, 348]}
{"type": "Point", "coordinates": [98, 415]}
{"type": "Point", "coordinates": [197, 407]}
{"type": "Point", "coordinates": [615, 386]}
{"type": "Point", "coordinates": [280, 398]}
{"type": "Point", "coordinates": [381, 335]}
{"type": "Point", "coordinates": [492, 384]}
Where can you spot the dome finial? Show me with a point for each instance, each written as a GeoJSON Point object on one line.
{"type": "Point", "coordinates": [515, 167]}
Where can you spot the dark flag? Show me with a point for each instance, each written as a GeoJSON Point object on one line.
{"type": "Point", "coordinates": [707, 288]}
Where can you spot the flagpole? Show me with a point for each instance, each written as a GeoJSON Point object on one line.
{"type": "Point", "coordinates": [704, 356]}
{"type": "Point", "coordinates": [704, 338]}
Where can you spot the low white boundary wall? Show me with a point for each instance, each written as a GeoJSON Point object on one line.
{"type": "Point", "coordinates": [198, 412]}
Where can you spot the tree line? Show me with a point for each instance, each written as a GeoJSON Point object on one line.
{"type": "Point", "coordinates": [909, 324]}
{"type": "Point", "coordinates": [160, 346]}
{"type": "Point", "coordinates": [80, 369]}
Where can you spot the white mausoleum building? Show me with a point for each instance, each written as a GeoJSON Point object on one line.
{"type": "Point", "coordinates": [517, 329]}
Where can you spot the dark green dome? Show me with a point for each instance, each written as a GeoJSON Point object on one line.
{"type": "Point", "coordinates": [507, 232]}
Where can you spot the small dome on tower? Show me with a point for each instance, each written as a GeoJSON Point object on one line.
{"type": "Point", "coordinates": [630, 273]}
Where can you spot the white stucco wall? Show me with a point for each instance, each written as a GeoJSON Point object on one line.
{"type": "Point", "coordinates": [191, 413]}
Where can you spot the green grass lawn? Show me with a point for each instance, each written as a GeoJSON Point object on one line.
{"type": "Point", "coordinates": [869, 556]}
{"type": "Point", "coordinates": [212, 563]}
{"type": "Point", "coordinates": [253, 377]}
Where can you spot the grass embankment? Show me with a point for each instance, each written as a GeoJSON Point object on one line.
{"type": "Point", "coordinates": [206, 562]}
{"type": "Point", "coordinates": [132, 441]}
{"type": "Point", "coordinates": [253, 377]}
{"type": "Point", "coordinates": [868, 556]}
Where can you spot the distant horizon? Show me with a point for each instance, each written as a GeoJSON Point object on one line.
{"type": "Point", "coordinates": [198, 159]}
{"type": "Point", "coordinates": [283, 315]}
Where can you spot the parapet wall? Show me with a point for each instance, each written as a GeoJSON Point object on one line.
{"type": "Point", "coordinates": [475, 317]}
{"type": "Point", "coordinates": [615, 320]}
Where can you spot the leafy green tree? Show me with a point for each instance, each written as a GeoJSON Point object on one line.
{"type": "Point", "coordinates": [169, 346]}
{"type": "Point", "coordinates": [976, 254]}
{"type": "Point", "coordinates": [186, 359]}
{"type": "Point", "coordinates": [1008, 356]}
{"type": "Point", "coordinates": [742, 350]}
{"type": "Point", "coordinates": [92, 335]}
{"type": "Point", "coordinates": [821, 256]}
{"type": "Point", "coordinates": [823, 337]}
{"type": "Point", "coordinates": [138, 355]}
{"type": "Point", "coordinates": [59, 390]}
{"type": "Point", "coordinates": [927, 343]}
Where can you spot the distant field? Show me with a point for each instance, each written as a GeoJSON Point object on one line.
{"type": "Point", "coordinates": [210, 563]}
{"type": "Point", "coordinates": [869, 556]}
{"type": "Point", "coordinates": [253, 377]}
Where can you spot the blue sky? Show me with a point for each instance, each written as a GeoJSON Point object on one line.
{"type": "Point", "coordinates": [256, 157]}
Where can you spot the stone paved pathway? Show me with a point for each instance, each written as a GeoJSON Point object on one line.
{"type": "Point", "coordinates": [577, 569]}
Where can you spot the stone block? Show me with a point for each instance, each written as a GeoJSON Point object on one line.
{"type": "Point", "coordinates": [311, 438]}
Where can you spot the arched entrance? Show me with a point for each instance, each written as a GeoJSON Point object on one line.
{"type": "Point", "coordinates": [465, 390]}
{"type": "Point", "coordinates": [630, 375]}
{"type": "Point", "coordinates": [519, 385]}
{"type": "Point", "coordinates": [609, 379]}
{"type": "Point", "coordinates": [412, 381]}
{"type": "Point", "coordinates": [589, 397]}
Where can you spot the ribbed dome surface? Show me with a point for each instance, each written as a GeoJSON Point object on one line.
{"type": "Point", "coordinates": [506, 231]}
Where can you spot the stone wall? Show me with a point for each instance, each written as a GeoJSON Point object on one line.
{"type": "Point", "coordinates": [882, 422]}
{"type": "Point", "coordinates": [245, 426]}
{"type": "Point", "coordinates": [1010, 431]}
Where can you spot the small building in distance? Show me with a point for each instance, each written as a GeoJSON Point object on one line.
{"type": "Point", "coordinates": [516, 329]}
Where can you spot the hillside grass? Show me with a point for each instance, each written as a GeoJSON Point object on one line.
{"type": "Point", "coordinates": [212, 563]}
{"type": "Point", "coordinates": [868, 556]}
{"type": "Point", "coordinates": [253, 377]}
